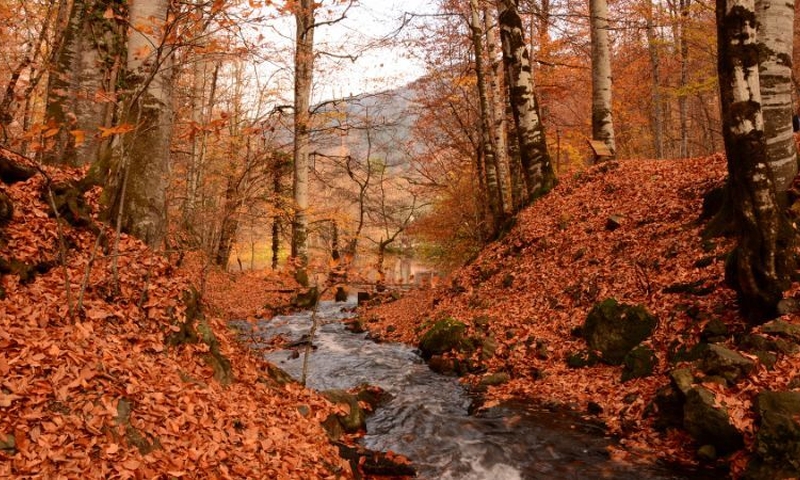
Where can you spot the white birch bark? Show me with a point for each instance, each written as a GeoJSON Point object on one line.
{"type": "Point", "coordinates": [602, 123]}
{"type": "Point", "coordinates": [497, 111]}
{"type": "Point", "coordinates": [758, 267]}
{"type": "Point", "coordinates": [536, 166]}
{"type": "Point", "coordinates": [775, 38]}
{"type": "Point", "coordinates": [493, 188]}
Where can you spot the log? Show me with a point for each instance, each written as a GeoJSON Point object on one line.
{"type": "Point", "coordinates": [13, 167]}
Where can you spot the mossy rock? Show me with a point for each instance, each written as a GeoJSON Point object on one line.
{"type": "Point", "coordinates": [709, 423]}
{"type": "Point", "coordinates": [778, 438]}
{"type": "Point", "coordinates": [495, 379]}
{"type": "Point", "coordinates": [444, 336]}
{"type": "Point", "coordinates": [639, 363]}
{"type": "Point", "coordinates": [354, 421]}
{"type": "Point", "coordinates": [614, 329]}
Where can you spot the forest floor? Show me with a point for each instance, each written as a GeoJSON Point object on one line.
{"type": "Point", "coordinates": [134, 384]}
{"type": "Point", "coordinates": [535, 286]}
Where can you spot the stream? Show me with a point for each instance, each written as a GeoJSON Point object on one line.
{"type": "Point", "coordinates": [427, 420]}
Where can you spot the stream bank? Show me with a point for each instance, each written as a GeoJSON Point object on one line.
{"type": "Point", "coordinates": [427, 415]}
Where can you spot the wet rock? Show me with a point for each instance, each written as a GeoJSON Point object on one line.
{"type": "Point", "coordinates": [442, 365]}
{"type": "Point", "coordinates": [730, 365]}
{"type": "Point", "coordinates": [778, 438]}
{"type": "Point", "coordinates": [638, 363]}
{"type": "Point", "coordinates": [495, 379]}
{"type": "Point", "coordinates": [708, 423]}
{"type": "Point", "coordinates": [443, 336]}
{"type": "Point", "coordinates": [615, 329]}
{"type": "Point", "coordinates": [353, 421]}
{"type": "Point", "coordinates": [340, 295]}
{"type": "Point", "coordinates": [355, 325]}
{"type": "Point", "coordinates": [372, 395]}
{"type": "Point", "coordinates": [370, 463]}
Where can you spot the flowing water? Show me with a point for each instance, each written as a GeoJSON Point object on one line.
{"type": "Point", "coordinates": [427, 419]}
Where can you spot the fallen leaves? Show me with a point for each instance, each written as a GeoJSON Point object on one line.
{"type": "Point", "coordinates": [536, 286]}
{"type": "Point", "coordinates": [103, 396]}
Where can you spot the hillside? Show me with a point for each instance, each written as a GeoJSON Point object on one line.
{"type": "Point", "coordinates": [139, 382]}
{"type": "Point", "coordinates": [627, 230]}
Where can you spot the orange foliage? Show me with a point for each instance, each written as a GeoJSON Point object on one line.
{"type": "Point", "coordinates": [65, 384]}
{"type": "Point", "coordinates": [538, 283]}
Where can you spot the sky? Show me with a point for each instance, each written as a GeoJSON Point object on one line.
{"type": "Point", "coordinates": [375, 68]}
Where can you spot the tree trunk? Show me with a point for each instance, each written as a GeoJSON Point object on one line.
{"type": "Point", "coordinates": [303, 75]}
{"type": "Point", "coordinates": [536, 167]}
{"type": "Point", "coordinates": [494, 75]}
{"type": "Point", "coordinates": [602, 123]}
{"type": "Point", "coordinates": [775, 39]}
{"type": "Point", "coordinates": [136, 193]}
{"type": "Point", "coordinates": [657, 116]}
{"type": "Point", "coordinates": [758, 269]}
{"type": "Point", "coordinates": [277, 191]}
{"type": "Point", "coordinates": [683, 97]}
{"type": "Point", "coordinates": [230, 224]}
{"type": "Point", "coordinates": [78, 99]}
{"type": "Point", "coordinates": [494, 194]}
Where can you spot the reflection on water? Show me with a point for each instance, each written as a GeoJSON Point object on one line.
{"type": "Point", "coordinates": [427, 417]}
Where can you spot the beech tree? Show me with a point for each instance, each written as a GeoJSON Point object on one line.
{"type": "Point", "coordinates": [82, 87]}
{"type": "Point", "coordinates": [303, 75]}
{"type": "Point", "coordinates": [759, 266]}
{"type": "Point", "coordinates": [537, 169]}
{"type": "Point", "coordinates": [602, 123]}
{"type": "Point", "coordinates": [136, 190]}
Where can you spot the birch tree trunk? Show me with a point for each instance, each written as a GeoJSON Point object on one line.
{"type": "Point", "coordinates": [683, 96]}
{"type": "Point", "coordinates": [136, 191]}
{"type": "Point", "coordinates": [303, 75]}
{"type": "Point", "coordinates": [775, 38]}
{"type": "Point", "coordinates": [657, 115]}
{"type": "Point", "coordinates": [84, 73]}
{"type": "Point", "coordinates": [758, 268]}
{"type": "Point", "coordinates": [602, 123]}
{"type": "Point", "coordinates": [497, 111]}
{"type": "Point", "coordinates": [494, 194]}
{"type": "Point", "coordinates": [537, 169]}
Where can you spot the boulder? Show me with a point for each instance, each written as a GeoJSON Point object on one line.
{"type": "Point", "coordinates": [362, 297]}
{"type": "Point", "coordinates": [306, 298]}
{"type": "Point", "coordinates": [582, 359]}
{"type": "Point", "coordinates": [638, 363]}
{"type": "Point", "coordinates": [778, 438]}
{"type": "Point", "coordinates": [715, 331]}
{"type": "Point", "coordinates": [614, 329]}
{"type": "Point", "coordinates": [782, 329]}
{"type": "Point", "coordinates": [720, 361]}
{"type": "Point", "coordinates": [708, 423]}
{"type": "Point", "coordinates": [353, 421]}
{"type": "Point", "coordinates": [444, 336]}
{"type": "Point", "coordinates": [682, 380]}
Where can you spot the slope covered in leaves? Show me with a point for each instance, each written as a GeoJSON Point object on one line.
{"type": "Point", "coordinates": [103, 393]}
{"type": "Point", "coordinates": [532, 288]}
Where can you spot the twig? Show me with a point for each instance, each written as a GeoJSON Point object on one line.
{"type": "Point", "coordinates": [62, 247]}
{"type": "Point", "coordinates": [88, 271]}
